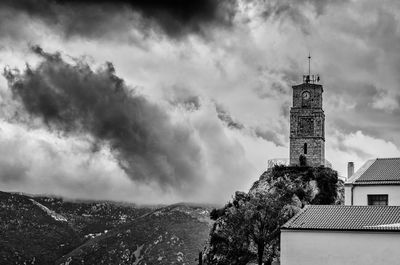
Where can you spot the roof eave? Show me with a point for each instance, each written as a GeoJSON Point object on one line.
{"type": "Point", "coordinates": [376, 182]}
{"type": "Point", "coordinates": [340, 229]}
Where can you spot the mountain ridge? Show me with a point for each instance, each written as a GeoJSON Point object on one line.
{"type": "Point", "coordinates": [96, 232]}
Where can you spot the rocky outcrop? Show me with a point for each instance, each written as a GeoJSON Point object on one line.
{"type": "Point", "coordinates": [283, 190]}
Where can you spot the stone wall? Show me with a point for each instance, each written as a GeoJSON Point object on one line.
{"type": "Point", "coordinates": [307, 125]}
{"type": "Point", "coordinates": [315, 91]}
{"type": "Point", "coordinates": [315, 151]}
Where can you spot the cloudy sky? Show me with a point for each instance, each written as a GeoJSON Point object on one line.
{"type": "Point", "coordinates": [155, 101]}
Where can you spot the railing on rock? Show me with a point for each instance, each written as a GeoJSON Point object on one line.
{"type": "Point", "coordinates": [277, 161]}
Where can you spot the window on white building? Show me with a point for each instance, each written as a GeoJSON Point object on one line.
{"type": "Point", "coordinates": [377, 199]}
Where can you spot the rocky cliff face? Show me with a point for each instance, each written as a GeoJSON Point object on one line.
{"type": "Point", "coordinates": [321, 183]}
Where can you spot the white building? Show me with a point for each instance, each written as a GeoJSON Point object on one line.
{"type": "Point", "coordinates": [342, 235]}
{"type": "Point", "coordinates": [377, 182]}
{"type": "Point", "coordinates": [364, 231]}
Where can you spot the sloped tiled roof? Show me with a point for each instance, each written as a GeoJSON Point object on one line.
{"type": "Point", "coordinates": [341, 217]}
{"type": "Point", "coordinates": [378, 171]}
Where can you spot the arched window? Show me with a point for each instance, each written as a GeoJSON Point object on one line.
{"type": "Point", "coordinates": [305, 148]}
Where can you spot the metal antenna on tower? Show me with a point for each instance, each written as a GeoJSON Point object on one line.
{"type": "Point", "coordinates": [310, 78]}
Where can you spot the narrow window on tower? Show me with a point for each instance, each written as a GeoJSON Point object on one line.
{"type": "Point", "coordinates": [305, 148]}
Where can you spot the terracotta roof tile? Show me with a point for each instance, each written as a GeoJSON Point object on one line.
{"type": "Point", "coordinates": [341, 217]}
{"type": "Point", "coordinates": [377, 171]}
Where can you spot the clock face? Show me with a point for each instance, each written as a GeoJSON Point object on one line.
{"type": "Point", "coordinates": [306, 95]}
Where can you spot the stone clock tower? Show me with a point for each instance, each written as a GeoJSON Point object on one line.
{"type": "Point", "coordinates": [307, 123]}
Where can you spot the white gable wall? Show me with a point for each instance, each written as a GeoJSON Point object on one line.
{"type": "Point", "coordinates": [360, 194]}
{"type": "Point", "coordinates": [347, 194]}
{"type": "Point", "coordinates": [310, 247]}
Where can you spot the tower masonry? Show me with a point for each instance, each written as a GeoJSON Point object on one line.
{"type": "Point", "coordinates": [307, 124]}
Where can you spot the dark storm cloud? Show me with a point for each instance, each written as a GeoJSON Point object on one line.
{"type": "Point", "coordinates": [264, 133]}
{"type": "Point", "coordinates": [176, 16]}
{"type": "Point", "coordinates": [115, 19]}
{"type": "Point", "coordinates": [72, 98]}
{"type": "Point", "coordinates": [227, 119]}
{"type": "Point", "coordinates": [294, 10]}
{"type": "Point", "coordinates": [342, 146]}
{"type": "Point", "coordinates": [90, 18]}
{"type": "Point", "coordinates": [269, 135]}
{"type": "Point", "coordinates": [276, 90]}
{"type": "Point", "coordinates": [190, 101]}
{"type": "Point", "coordinates": [281, 87]}
{"type": "Point", "coordinates": [361, 114]}
{"type": "Point", "coordinates": [376, 123]}
{"type": "Point", "coordinates": [285, 110]}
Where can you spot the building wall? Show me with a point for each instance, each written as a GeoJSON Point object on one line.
{"type": "Point", "coordinates": [339, 248]}
{"type": "Point", "coordinates": [347, 194]}
{"type": "Point", "coordinates": [360, 194]}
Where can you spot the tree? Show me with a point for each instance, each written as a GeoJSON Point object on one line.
{"type": "Point", "coordinates": [248, 228]}
{"type": "Point", "coordinates": [265, 213]}
{"type": "Point", "coordinates": [229, 240]}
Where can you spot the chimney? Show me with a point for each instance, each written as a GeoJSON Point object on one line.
{"type": "Point", "coordinates": [350, 169]}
